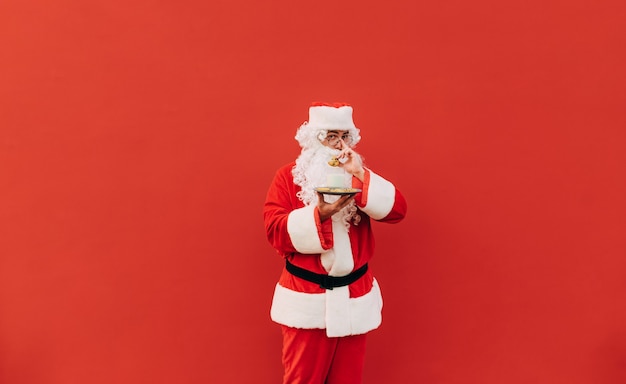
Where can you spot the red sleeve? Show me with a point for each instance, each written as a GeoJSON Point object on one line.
{"type": "Point", "coordinates": [280, 201]}
{"type": "Point", "coordinates": [397, 211]}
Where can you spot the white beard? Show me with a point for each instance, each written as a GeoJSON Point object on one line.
{"type": "Point", "coordinates": [311, 171]}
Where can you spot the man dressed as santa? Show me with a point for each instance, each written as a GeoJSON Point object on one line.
{"type": "Point", "coordinates": [327, 298]}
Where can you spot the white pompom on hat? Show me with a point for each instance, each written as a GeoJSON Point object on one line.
{"type": "Point", "coordinates": [337, 116]}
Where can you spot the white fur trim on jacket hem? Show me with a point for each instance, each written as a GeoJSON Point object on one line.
{"type": "Point", "coordinates": [381, 195]}
{"type": "Point", "coordinates": [302, 230]}
{"type": "Point", "coordinates": [333, 310]}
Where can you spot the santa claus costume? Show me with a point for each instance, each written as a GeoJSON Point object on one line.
{"type": "Point", "coordinates": [327, 298]}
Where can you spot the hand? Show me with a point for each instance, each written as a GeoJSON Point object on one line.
{"type": "Point", "coordinates": [351, 161]}
{"type": "Point", "coordinates": [329, 209]}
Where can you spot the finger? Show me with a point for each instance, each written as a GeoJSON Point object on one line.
{"type": "Point", "coordinates": [348, 152]}
{"type": "Point", "coordinates": [344, 155]}
{"type": "Point", "coordinates": [345, 200]}
{"type": "Point", "coordinates": [340, 201]}
{"type": "Point", "coordinates": [344, 148]}
{"type": "Point", "coordinates": [345, 204]}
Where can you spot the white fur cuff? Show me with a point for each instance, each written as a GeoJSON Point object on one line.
{"type": "Point", "coordinates": [381, 195]}
{"type": "Point", "coordinates": [302, 230]}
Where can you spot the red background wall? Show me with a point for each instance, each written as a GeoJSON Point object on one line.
{"type": "Point", "coordinates": [137, 140]}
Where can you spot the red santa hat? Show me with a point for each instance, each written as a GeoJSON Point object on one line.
{"type": "Point", "coordinates": [324, 117]}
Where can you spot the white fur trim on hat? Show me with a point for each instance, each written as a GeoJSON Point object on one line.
{"type": "Point", "coordinates": [330, 118]}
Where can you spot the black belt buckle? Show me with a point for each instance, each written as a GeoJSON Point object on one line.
{"type": "Point", "coordinates": [327, 282]}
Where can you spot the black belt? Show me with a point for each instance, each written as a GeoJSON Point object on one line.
{"type": "Point", "coordinates": [325, 281]}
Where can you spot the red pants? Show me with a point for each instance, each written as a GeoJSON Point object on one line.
{"type": "Point", "coordinates": [311, 357]}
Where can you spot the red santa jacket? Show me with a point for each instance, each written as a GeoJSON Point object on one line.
{"type": "Point", "coordinates": [328, 247]}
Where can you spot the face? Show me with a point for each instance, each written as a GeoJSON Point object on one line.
{"type": "Point", "coordinates": [333, 139]}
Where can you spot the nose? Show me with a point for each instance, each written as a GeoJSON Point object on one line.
{"type": "Point", "coordinates": [341, 144]}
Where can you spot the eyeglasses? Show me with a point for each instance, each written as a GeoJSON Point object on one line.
{"type": "Point", "coordinates": [333, 138]}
